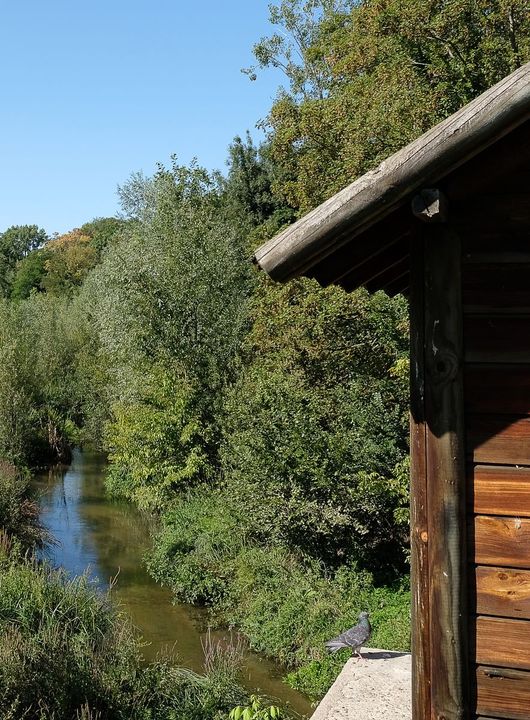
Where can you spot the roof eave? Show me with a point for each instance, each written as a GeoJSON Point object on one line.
{"type": "Point", "coordinates": [423, 162]}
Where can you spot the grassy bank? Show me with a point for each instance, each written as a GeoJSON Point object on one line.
{"type": "Point", "coordinates": [67, 652]}
{"type": "Point", "coordinates": [287, 605]}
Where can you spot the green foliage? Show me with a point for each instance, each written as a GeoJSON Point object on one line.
{"type": "Point", "coordinates": [287, 606]}
{"type": "Point", "coordinates": [19, 512]}
{"type": "Point", "coordinates": [200, 535]}
{"type": "Point", "coordinates": [156, 441]}
{"type": "Point", "coordinates": [16, 243]}
{"type": "Point", "coordinates": [256, 711]}
{"type": "Point", "coordinates": [248, 190]}
{"type": "Point", "coordinates": [67, 652]}
{"type": "Point", "coordinates": [103, 231]}
{"type": "Point", "coordinates": [315, 433]}
{"type": "Point", "coordinates": [29, 274]}
{"type": "Point", "coordinates": [69, 258]}
{"type": "Point", "coordinates": [39, 405]}
{"type": "Point", "coordinates": [168, 304]}
{"type": "Point", "coordinates": [371, 76]}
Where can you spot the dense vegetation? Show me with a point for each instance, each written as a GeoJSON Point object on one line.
{"type": "Point", "coordinates": [67, 652]}
{"type": "Point", "coordinates": [265, 426]}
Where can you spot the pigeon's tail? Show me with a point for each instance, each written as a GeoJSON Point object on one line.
{"type": "Point", "coordinates": [335, 644]}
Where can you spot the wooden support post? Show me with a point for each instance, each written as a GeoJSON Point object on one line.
{"type": "Point", "coordinates": [419, 561]}
{"type": "Point", "coordinates": [445, 469]}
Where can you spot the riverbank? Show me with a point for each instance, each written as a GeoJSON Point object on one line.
{"type": "Point", "coordinates": [288, 606]}
{"type": "Point", "coordinates": [68, 651]}
{"type": "Point", "coordinates": [110, 538]}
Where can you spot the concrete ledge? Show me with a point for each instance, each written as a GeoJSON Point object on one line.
{"type": "Point", "coordinates": [375, 688]}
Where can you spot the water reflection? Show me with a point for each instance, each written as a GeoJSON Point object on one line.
{"type": "Point", "coordinates": [107, 539]}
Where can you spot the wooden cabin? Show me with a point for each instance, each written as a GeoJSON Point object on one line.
{"type": "Point", "coordinates": [447, 222]}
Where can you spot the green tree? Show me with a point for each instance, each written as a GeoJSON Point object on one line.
{"type": "Point", "coordinates": [169, 303]}
{"type": "Point", "coordinates": [316, 428]}
{"type": "Point", "coordinates": [29, 274]}
{"type": "Point", "coordinates": [15, 244]}
{"type": "Point", "coordinates": [392, 69]}
{"type": "Point", "coordinates": [102, 231]}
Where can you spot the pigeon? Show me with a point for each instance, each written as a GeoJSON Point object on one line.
{"type": "Point", "coordinates": [353, 638]}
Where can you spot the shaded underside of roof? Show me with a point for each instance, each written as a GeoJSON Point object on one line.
{"type": "Point", "coordinates": [361, 235]}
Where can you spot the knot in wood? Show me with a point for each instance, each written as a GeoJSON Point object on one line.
{"type": "Point", "coordinates": [444, 366]}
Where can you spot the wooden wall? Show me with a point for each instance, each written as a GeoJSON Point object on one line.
{"type": "Point", "coordinates": [496, 307]}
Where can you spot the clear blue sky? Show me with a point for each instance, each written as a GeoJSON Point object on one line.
{"type": "Point", "coordinates": [94, 90]}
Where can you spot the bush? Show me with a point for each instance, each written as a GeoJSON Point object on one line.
{"type": "Point", "coordinates": [286, 605]}
{"type": "Point", "coordinates": [315, 435]}
{"type": "Point", "coordinates": [66, 652]}
{"type": "Point", "coordinates": [19, 512]}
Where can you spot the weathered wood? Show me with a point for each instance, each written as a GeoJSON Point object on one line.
{"type": "Point", "coordinates": [503, 642]}
{"type": "Point", "coordinates": [499, 439]}
{"type": "Point", "coordinates": [377, 265]}
{"type": "Point", "coordinates": [375, 242]}
{"type": "Point", "coordinates": [499, 490]}
{"type": "Point", "coordinates": [497, 389]}
{"type": "Point", "coordinates": [501, 541]}
{"type": "Point", "coordinates": [372, 197]}
{"type": "Point", "coordinates": [374, 279]}
{"type": "Point", "coordinates": [497, 339]}
{"type": "Point", "coordinates": [399, 285]}
{"type": "Point", "coordinates": [445, 473]}
{"type": "Point", "coordinates": [496, 287]}
{"type": "Point", "coordinates": [419, 560]}
{"type": "Point", "coordinates": [486, 244]}
{"type": "Point", "coordinates": [503, 693]}
{"type": "Point", "coordinates": [430, 206]}
{"type": "Point", "coordinates": [504, 592]}
{"type": "Point", "coordinates": [504, 166]}
{"type": "Point", "coordinates": [499, 207]}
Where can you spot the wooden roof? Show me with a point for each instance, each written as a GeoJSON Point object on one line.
{"type": "Point", "coordinates": [360, 235]}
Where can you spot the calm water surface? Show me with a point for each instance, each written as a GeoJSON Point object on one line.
{"type": "Point", "coordinates": [108, 539]}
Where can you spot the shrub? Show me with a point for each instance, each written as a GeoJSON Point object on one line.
{"type": "Point", "coordinates": [287, 605]}
{"type": "Point", "coordinates": [67, 652]}
{"type": "Point", "coordinates": [19, 512]}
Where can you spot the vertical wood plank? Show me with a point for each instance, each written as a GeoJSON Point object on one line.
{"type": "Point", "coordinates": [421, 668]}
{"type": "Point", "coordinates": [445, 455]}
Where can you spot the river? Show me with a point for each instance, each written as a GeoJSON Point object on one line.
{"type": "Point", "coordinates": [107, 539]}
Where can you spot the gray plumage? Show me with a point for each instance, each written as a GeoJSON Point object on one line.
{"type": "Point", "coordinates": [353, 638]}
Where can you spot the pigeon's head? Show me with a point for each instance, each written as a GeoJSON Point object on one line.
{"type": "Point", "coordinates": [363, 616]}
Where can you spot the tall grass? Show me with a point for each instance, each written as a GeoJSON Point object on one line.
{"type": "Point", "coordinates": [66, 652]}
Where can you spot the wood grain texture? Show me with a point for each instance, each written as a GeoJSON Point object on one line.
{"type": "Point", "coordinates": [503, 642]}
{"type": "Point", "coordinates": [501, 541]}
{"type": "Point", "coordinates": [446, 501]}
{"type": "Point", "coordinates": [499, 439]}
{"type": "Point", "coordinates": [504, 167]}
{"type": "Point", "coordinates": [375, 243]}
{"type": "Point", "coordinates": [503, 591]}
{"type": "Point", "coordinates": [503, 693]}
{"type": "Point", "coordinates": [498, 490]}
{"type": "Point", "coordinates": [484, 243]}
{"type": "Point", "coordinates": [495, 287]}
{"type": "Point", "coordinates": [419, 556]}
{"type": "Point", "coordinates": [497, 338]}
{"type": "Point", "coordinates": [497, 389]}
